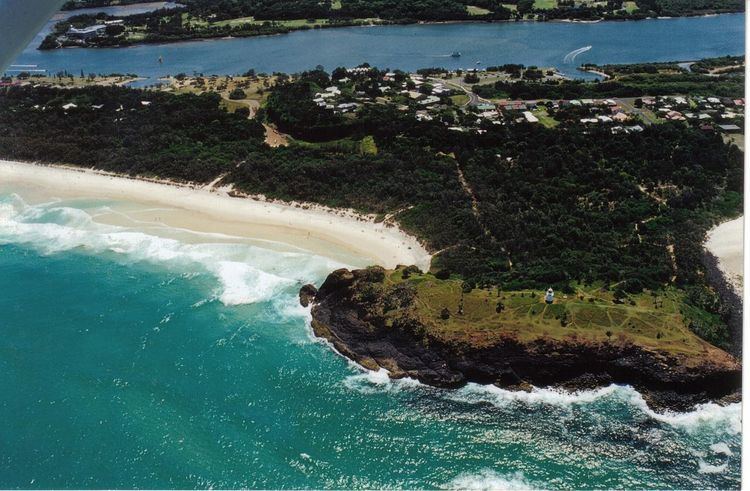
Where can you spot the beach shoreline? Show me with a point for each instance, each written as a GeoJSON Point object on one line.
{"type": "Point", "coordinates": [323, 231]}
{"type": "Point", "coordinates": [724, 261]}
{"type": "Point", "coordinates": [725, 242]}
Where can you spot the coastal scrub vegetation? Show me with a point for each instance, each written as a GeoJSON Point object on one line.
{"type": "Point", "coordinates": [446, 334]}
{"type": "Point", "coordinates": [635, 83]}
{"type": "Point", "coordinates": [511, 206]}
{"type": "Point", "coordinates": [188, 138]}
{"type": "Point", "coordinates": [589, 313]}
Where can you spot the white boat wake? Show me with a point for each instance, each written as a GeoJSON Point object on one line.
{"type": "Point", "coordinates": [570, 57]}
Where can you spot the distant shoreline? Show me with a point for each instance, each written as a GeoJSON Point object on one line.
{"type": "Point", "coordinates": [383, 23]}
{"type": "Point", "coordinates": [219, 209]}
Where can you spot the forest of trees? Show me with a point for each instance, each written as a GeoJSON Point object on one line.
{"type": "Point", "coordinates": [631, 85]}
{"type": "Point", "coordinates": [184, 138]}
{"type": "Point", "coordinates": [190, 138]}
{"type": "Point", "coordinates": [430, 9]}
{"type": "Point", "coordinates": [726, 63]}
{"type": "Point", "coordinates": [169, 25]}
{"type": "Point", "coordinates": [553, 205]}
{"type": "Point", "coordinates": [316, 9]}
{"type": "Point", "coordinates": [673, 8]}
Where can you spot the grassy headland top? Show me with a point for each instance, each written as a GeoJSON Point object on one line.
{"type": "Point", "coordinates": [501, 198]}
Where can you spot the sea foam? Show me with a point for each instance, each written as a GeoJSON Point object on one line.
{"type": "Point", "coordinates": [488, 479]}
{"type": "Point", "coordinates": [705, 468]}
{"type": "Point", "coordinates": [709, 417]}
{"type": "Point", "coordinates": [245, 273]}
{"type": "Point", "coordinates": [704, 417]}
{"type": "Point", "coordinates": [250, 274]}
{"type": "Point", "coordinates": [721, 448]}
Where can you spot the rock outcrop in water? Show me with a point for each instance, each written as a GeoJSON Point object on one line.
{"type": "Point", "coordinates": [353, 312]}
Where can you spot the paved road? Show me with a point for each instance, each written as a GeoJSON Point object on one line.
{"type": "Point", "coordinates": [474, 100]}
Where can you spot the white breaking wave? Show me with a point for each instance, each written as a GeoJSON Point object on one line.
{"type": "Point", "coordinates": [721, 448]}
{"type": "Point", "coordinates": [705, 468]}
{"type": "Point", "coordinates": [373, 382]}
{"type": "Point", "coordinates": [571, 57]}
{"type": "Point", "coordinates": [710, 416]}
{"type": "Point", "coordinates": [243, 284]}
{"type": "Point", "coordinates": [477, 393]}
{"type": "Point", "coordinates": [704, 417]}
{"type": "Point", "coordinates": [246, 273]}
{"type": "Point", "coordinates": [488, 479]}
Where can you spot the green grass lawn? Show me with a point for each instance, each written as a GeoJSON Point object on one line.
{"type": "Point", "coordinates": [236, 21]}
{"type": "Point", "coordinates": [544, 118]}
{"type": "Point", "coordinates": [293, 23]}
{"type": "Point", "coordinates": [135, 36]}
{"type": "Point", "coordinates": [472, 10]}
{"type": "Point", "coordinates": [737, 139]}
{"type": "Point", "coordinates": [545, 4]}
{"type": "Point", "coordinates": [653, 320]}
{"type": "Point", "coordinates": [193, 20]}
{"type": "Point", "coordinates": [460, 99]}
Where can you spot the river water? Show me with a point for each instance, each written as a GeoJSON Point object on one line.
{"type": "Point", "coordinates": [132, 360]}
{"type": "Point", "coordinates": [417, 46]}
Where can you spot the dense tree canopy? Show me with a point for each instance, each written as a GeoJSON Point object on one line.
{"type": "Point", "coordinates": [552, 204]}
{"type": "Point", "coordinates": [187, 138]}
{"type": "Point", "coordinates": [631, 85]}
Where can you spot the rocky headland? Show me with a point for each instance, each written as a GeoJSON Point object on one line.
{"type": "Point", "coordinates": [392, 320]}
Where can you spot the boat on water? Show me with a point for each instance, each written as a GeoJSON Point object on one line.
{"type": "Point", "coordinates": [456, 54]}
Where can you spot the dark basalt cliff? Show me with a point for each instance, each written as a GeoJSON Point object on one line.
{"type": "Point", "coordinates": [343, 314]}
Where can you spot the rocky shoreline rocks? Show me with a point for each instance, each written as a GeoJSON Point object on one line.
{"type": "Point", "coordinates": [342, 313]}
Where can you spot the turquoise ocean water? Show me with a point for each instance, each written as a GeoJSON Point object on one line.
{"type": "Point", "coordinates": [129, 359]}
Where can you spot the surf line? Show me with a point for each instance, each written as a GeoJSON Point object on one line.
{"type": "Point", "coordinates": [570, 57]}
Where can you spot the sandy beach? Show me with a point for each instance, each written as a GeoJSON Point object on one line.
{"type": "Point", "coordinates": [322, 231]}
{"type": "Point", "coordinates": [726, 243]}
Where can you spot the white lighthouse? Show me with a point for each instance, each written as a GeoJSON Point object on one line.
{"type": "Point", "coordinates": [550, 296]}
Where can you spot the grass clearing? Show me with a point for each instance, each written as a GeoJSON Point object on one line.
{"type": "Point", "coordinates": [460, 99]}
{"type": "Point", "coordinates": [256, 90]}
{"type": "Point", "coordinates": [653, 320]}
{"type": "Point", "coordinates": [545, 4]}
{"type": "Point", "coordinates": [238, 21]}
{"type": "Point", "coordinates": [544, 118]}
{"type": "Point", "coordinates": [473, 10]}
